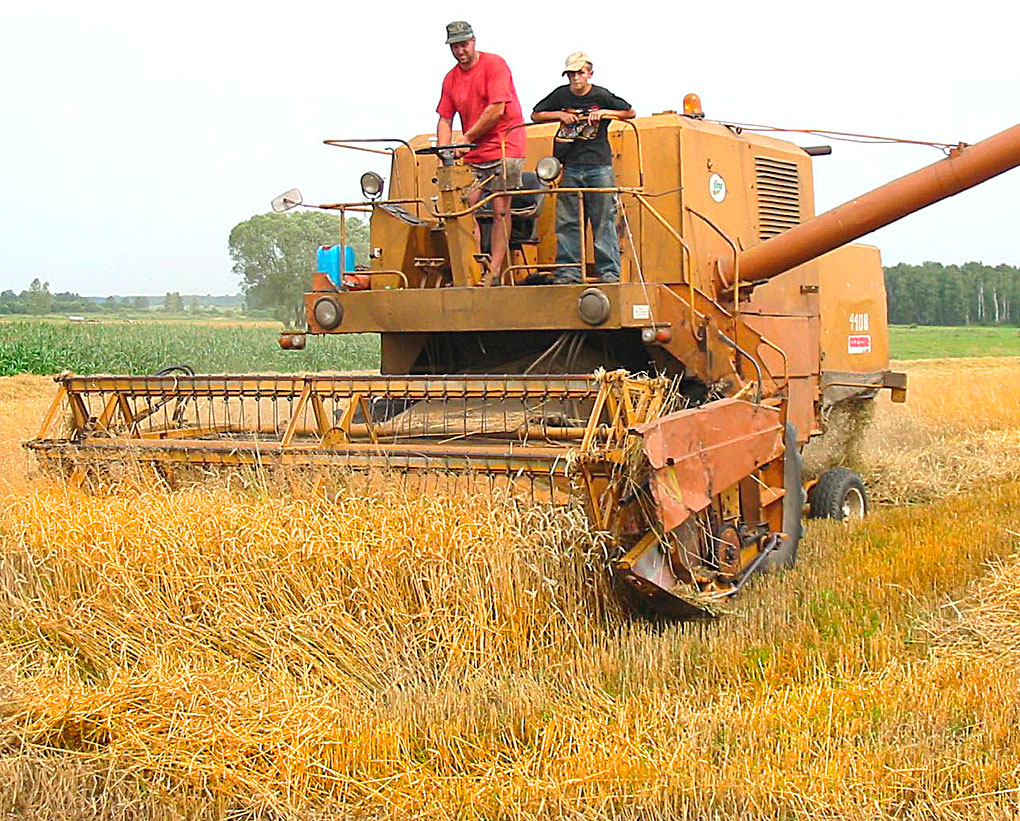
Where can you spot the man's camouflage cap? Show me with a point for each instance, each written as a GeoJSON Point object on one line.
{"type": "Point", "coordinates": [458, 31]}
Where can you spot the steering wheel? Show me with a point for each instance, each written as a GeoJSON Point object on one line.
{"type": "Point", "coordinates": [447, 153]}
{"type": "Point", "coordinates": [439, 149]}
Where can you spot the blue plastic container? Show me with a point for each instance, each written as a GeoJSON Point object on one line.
{"type": "Point", "coordinates": [334, 265]}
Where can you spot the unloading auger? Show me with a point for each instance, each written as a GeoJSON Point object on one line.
{"type": "Point", "coordinates": [751, 314]}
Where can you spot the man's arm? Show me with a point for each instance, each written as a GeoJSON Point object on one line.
{"type": "Point", "coordinates": [613, 113]}
{"type": "Point", "coordinates": [486, 120]}
{"type": "Point", "coordinates": [550, 110]}
{"type": "Point", "coordinates": [568, 117]}
{"type": "Point", "coordinates": [444, 131]}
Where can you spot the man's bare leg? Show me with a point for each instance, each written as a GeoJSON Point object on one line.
{"type": "Point", "coordinates": [500, 236]}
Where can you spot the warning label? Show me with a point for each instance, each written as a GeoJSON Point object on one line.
{"type": "Point", "coordinates": [859, 343]}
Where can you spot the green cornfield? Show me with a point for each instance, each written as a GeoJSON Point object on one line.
{"type": "Point", "coordinates": [52, 346]}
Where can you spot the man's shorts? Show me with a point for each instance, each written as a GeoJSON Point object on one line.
{"type": "Point", "coordinates": [494, 168]}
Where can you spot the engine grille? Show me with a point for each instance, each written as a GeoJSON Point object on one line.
{"type": "Point", "coordinates": [778, 196]}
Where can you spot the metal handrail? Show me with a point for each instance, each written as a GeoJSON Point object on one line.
{"type": "Point", "coordinates": [786, 363]}
{"type": "Point", "coordinates": [736, 266]}
{"type": "Point", "coordinates": [643, 201]}
{"type": "Point", "coordinates": [637, 138]}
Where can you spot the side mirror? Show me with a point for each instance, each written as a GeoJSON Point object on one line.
{"type": "Point", "coordinates": [287, 200]}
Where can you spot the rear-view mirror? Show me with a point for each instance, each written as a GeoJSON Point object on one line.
{"type": "Point", "coordinates": [287, 200]}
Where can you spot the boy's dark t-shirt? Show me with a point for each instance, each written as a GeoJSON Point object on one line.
{"type": "Point", "coordinates": [581, 143]}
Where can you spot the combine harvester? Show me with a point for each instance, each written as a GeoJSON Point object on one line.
{"type": "Point", "coordinates": [674, 403]}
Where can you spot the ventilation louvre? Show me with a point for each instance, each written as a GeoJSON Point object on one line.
{"type": "Point", "coordinates": [778, 196]}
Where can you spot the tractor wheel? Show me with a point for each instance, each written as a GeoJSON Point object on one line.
{"type": "Point", "coordinates": [839, 494]}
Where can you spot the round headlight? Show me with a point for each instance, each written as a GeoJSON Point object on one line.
{"type": "Point", "coordinates": [593, 306]}
{"type": "Point", "coordinates": [548, 169]}
{"type": "Point", "coordinates": [371, 184]}
{"type": "Point", "coordinates": [328, 312]}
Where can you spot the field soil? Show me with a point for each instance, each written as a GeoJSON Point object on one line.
{"type": "Point", "coordinates": [236, 652]}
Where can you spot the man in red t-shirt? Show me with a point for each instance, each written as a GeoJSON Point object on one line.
{"type": "Point", "coordinates": [481, 89]}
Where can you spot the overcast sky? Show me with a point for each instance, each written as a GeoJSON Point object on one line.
{"type": "Point", "coordinates": [136, 135]}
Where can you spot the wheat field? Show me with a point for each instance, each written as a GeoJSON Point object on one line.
{"type": "Point", "coordinates": [237, 652]}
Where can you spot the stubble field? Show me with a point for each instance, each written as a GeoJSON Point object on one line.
{"type": "Point", "coordinates": [233, 652]}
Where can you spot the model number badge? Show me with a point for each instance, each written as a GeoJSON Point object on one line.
{"type": "Point", "coordinates": [642, 312]}
{"type": "Point", "coordinates": [859, 323]}
{"type": "Point", "coordinates": [717, 187]}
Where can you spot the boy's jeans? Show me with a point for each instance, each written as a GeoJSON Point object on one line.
{"type": "Point", "coordinates": [600, 211]}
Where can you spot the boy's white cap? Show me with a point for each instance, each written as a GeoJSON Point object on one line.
{"type": "Point", "coordinates": [576, 61]}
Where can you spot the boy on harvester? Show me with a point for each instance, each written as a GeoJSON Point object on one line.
{"type": "Point", "coordinates": [584, 111]}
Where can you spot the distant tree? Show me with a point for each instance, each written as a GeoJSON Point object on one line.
{"type": "Point", "coordinates": [274, 254]}
{"type": "Point", "coordinates": [140, 303]}
{"type": "Point", "coordinates": [39, 300]}
{"type": "Point", "coordinates": [12, 303]}
{"type": "Point", "coordinates": [66, 302]}
{"type": "Point", "coordinates": [193, 306]}
{"type": "Point", "coordinates": [954, 298]}
{"type": "Point", "coordinates": [111, 304]}
{"type": "Point", "coordinates": [172, 302]}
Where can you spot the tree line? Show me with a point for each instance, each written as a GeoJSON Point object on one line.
{"type": "Point", "coordinates": [38, 300]}
{"type": "Point", "coordinates": [968, 294]}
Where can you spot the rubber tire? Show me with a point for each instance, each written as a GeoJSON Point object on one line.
{"type": "Point", "coordinates": [785, 554]}
{"type": "Point", "coordinates": [829, 495]}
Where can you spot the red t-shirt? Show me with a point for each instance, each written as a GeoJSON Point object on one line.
{"type": "Point", "coordinates": [468, 92]}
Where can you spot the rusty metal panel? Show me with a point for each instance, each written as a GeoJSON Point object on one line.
{"type": "Point", "coordinates": [796, 335]}
{"type": "Point", "coordinates": [640, 307]}
{"type": "Point", "coordinates": [801, 407]}
{"type": "Point", "coordinates": [793, 294]}
{"type": "Point", "coordinates": [699, 452]}
{"type": "Point", "coordinates": [855, 332]}
{"type": "Point", "coordinates": [479, 309]}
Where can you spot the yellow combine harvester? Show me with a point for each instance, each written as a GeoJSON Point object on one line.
{"type": "Point", "coordinates": [674, 403]}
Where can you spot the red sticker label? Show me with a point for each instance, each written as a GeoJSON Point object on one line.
{"type": "Point", "coordinates": [859, 343]}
